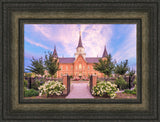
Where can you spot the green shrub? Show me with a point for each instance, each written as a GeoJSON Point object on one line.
{"type": "Point", "coordinates": [28, 74]}
{"type": "Point", "coordinates": [71, 76]}
{"type": "Point", "coordinates": [25, 88]}
{"type": "Point", "coordinates": [37, 83]}
{"type": "Point", "coordinates": [49, 76]}
{"type": "Point", "coordinates": [121, 83]}
{"type": "Point", "coordinates": [30, 93]}
{"type": "Point", "coordinates": [135, 82]}
{"type": "Point", "coordinates": [98, 81]}
{"type": "Point", "coordinates": [55, 76]}
{"type": "Point", "coordinates": [105, 88]}
{"type": "Point", "coordinates": [134, 91]}
{"type": "Point", "coordinates": [51, 88]}
{"type": "Point", "coordinates": [25, 83]}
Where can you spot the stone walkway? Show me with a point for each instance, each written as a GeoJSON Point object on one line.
{"type": "Point", "coordinates": [79, 90]}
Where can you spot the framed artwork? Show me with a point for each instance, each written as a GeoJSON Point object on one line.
{"type": "Point", "coordinates": [79, 60]}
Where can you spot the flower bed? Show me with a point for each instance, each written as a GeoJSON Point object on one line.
{"type": "Point", "coordinates": [104, 88]}
{"type": "Point", "coordinates": [51, 88]}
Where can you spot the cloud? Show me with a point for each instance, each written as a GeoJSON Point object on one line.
{"type": "Point", "coordinates": [94, 37]}
{"type": "Point", "coordinates": [37, 44]}
{"type": "Point", "coordinates": [127, 49]}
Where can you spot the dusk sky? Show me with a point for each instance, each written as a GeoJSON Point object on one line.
{"type": "Point", "coordinates": [120, 40]}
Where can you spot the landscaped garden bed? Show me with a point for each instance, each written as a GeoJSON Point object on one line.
{"type": "Point", "coordinates": [110, 90]}
{"type": "Point", "coordinates": [48, 89]}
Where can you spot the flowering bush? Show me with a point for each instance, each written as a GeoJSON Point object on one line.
{"type": "Point", "coordinates": [103, 88]}
{"type": "Point", "coordinates": [51, 88]}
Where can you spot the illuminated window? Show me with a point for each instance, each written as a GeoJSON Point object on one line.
{"type": "Point", "coordinates": [71, 67]}
{"type": "Point", "coordinates": [66, 67]}
{"type": "Point", "coordinates": [61, 67]}
{"type": "Point", "coordinates": [88, 67]}
{"type": "Point", "coordinates": [80, 66]}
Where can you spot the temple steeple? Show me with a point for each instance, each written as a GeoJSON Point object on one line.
{"type": "Point", "coordinates": [80, 49]}
{"type": "Point", "coordinates": [80, 41]}
{"type": "Point", "coordinates": [104, 52]}
{"type": "Point", "coordinates": [55, 55]}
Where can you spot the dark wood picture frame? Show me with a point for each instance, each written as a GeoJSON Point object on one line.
{"type": "Point", "coordinates": [15, 13]}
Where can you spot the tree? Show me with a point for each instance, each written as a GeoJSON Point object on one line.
{"type": "Point", "coordinates": [105, 66]}
{"type": "Point", "coordinates": [131, 78]}
{"type": "Point", "coordinates": [36, 66]}
{"type": "Point", "coordinates": [121, 68]}
{"type": "Point", "coordinates": [131, 72]}
{"type": "Point", "coordinates": [51, 63]}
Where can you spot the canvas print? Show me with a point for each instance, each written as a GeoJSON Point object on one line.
{"type": "Point", "coordinates": [80, 61]}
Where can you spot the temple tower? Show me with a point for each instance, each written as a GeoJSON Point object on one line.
{"type": "Point", "coordinates": [80, 49]}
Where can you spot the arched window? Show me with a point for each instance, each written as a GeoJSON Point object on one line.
{"type": "Point", "coordinates": [80, 66]}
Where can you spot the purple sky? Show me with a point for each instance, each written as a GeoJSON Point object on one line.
{"type": "Point", "coordinates": [120, 40]}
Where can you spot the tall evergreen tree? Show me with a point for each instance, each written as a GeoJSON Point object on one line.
{"type": "Point", "coordinates": [105, 66]}
{"type": "Point", "coordinates": [121, 68]}
{"type": "Point", "coordinates": [51, 63]}
{"type": "Point", "coordinates": [36, 66]}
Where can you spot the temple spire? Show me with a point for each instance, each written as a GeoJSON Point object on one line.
{"type": "Point", "coordinates": [80, 41]}
{"type": "Point", "coordinates": [105, 52]}
{"type": "Point", "coordinates": [55, 55]}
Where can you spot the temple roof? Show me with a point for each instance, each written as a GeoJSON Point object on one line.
{"type": "Point", "coordinates": [104, 52]}
{"type": "Point", "coordinates": [92, 59]}
{"type": "Point", "coordinates": [66, 60]}
{"type": "Point", "coordinates": [71, 60]}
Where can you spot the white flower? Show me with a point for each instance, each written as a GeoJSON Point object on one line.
{"type": "Point", "coordinates": [40, 94]}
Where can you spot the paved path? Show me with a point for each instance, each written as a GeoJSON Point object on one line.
{"type": "Point", "coordinates": [79, 90]}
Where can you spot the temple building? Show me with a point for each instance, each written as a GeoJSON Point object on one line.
{"type": "Point", "coordinates": [79, 66]}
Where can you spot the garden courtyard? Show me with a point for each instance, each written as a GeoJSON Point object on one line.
{"type": "Point", "coordinates": [118, 81]}
{"type": "Point", "coordinates": [81, 90]}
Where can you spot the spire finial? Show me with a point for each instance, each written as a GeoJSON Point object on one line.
{"type": "Point", "coordinates": [104, 52]}
{"type": "Point", "coordinates": [55, 55]}
{"type": "Point", "coordinates": [80, 41]}
{"type": "Point", "coordinates": [79, 32]}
